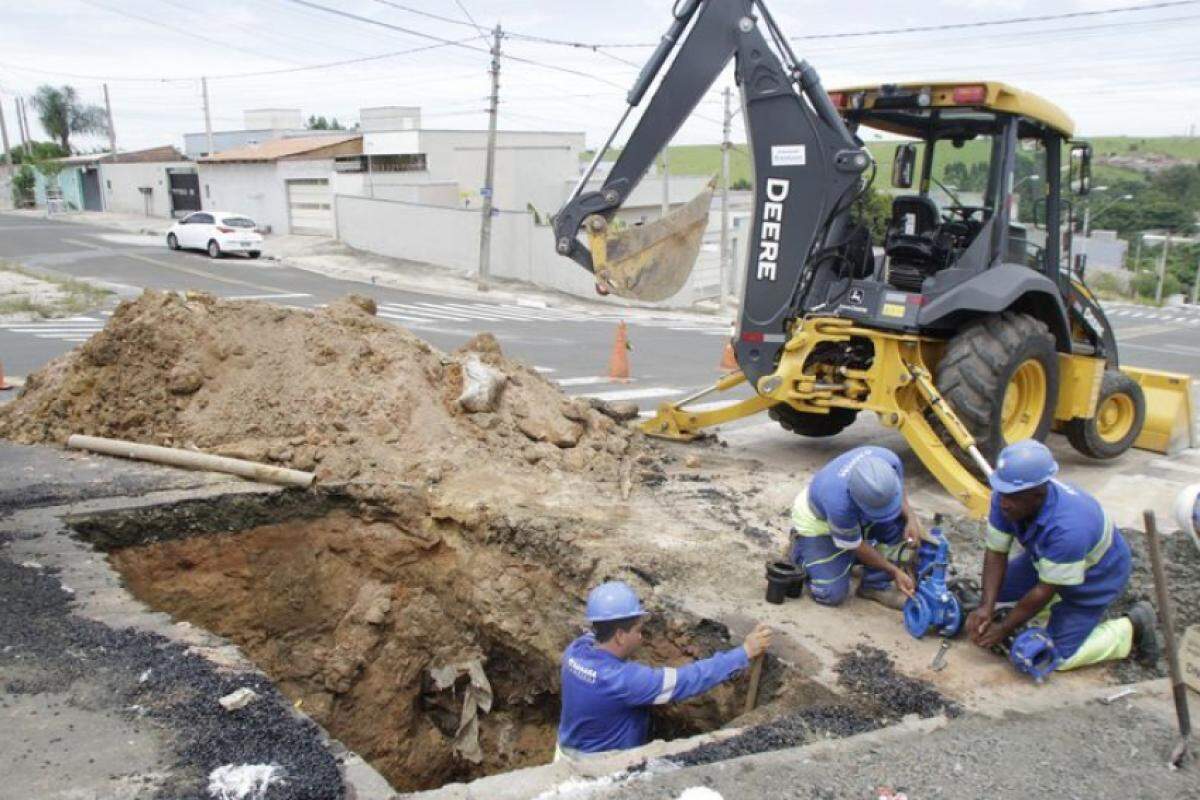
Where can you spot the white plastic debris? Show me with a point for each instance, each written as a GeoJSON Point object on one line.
{"type": "Point", "coordinates": [243, 781]}
{"type": "Point", "coordinates": [481, 386]}
{"type": "Point", "coordinates": [700, 793]}
{"type": "Point", "coordinates": [239, 699]}
{"type": "Point", "coordinates": [145, 676]}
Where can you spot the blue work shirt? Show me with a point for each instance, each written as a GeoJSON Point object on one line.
{"type": "Point", "coordinates": [606, 701]}
{"type": "Point", "coordinates": [1070, 543]}
{"type": "Point", "coordinates": [829, 494]}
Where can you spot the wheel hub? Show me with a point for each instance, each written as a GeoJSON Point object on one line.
{"type": "Point", "coordinates": [1024, 401]}
{"type": "Point", "coordinates": [1114, 418]}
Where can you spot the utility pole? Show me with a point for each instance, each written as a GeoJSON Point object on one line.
{"type": "Point", "coordinates": [112, 132]}
{"type": "Point", "coordinates": [1162, 270]}
{"type": "Point", "coordinates": [207, 118]}
{"type": "Point", "coordinates": [489, 171]}
{"type": "Point", "coordinates": [27, 134]}
{"type": "Point", "coordinates": [5, 157]}
{"type": "Point", "coordinates": [1196, 285]}
{"type": "Point", "coordinates": [726, 266]}
{"type": "Point", "coordinates": [666, 183]}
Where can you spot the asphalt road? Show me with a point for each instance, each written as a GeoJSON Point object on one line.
{"type": "Point", "coordinates": [669, 357]}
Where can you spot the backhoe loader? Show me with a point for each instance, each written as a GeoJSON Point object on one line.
{"type": "Point", "coordinates": [962, 329]}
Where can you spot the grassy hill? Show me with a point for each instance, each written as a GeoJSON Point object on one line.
{"type": "Point", "coordinates": [705, 159]}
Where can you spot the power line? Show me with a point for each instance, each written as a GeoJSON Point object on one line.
{"type": "Point", "coordinates": [192, 34]}
{"type": "Point", "coordinates": [423, 35]}
{"type": "Point", "coordinates": [230, 75]}
{"type": "Point", "coordinates": [988, 23]}
{"type": "Point", "coordinates": [462, 8]}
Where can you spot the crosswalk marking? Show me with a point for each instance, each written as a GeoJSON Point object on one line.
{"type": "Point", "coordinates": [634, 394]}
{"type": "Point", "coordinates": [592, 381]}
{"type": "Point", "coordinates": [268, 296]}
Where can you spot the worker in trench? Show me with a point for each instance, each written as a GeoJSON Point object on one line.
{"type": "Point", "coordinates": [855, 511]}
{"type": "Point", "coordinates": [1074, 563]}
{"type": "Point", "coordinates": [606, 698]}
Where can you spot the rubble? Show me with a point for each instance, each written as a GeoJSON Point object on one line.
{"type": "Point", "coordinates": [236, 700]}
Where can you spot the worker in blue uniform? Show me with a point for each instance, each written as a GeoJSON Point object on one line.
{"type": "Point", "coordinates": [606, 698]}
{"type": "Point", "coordinates": [855, 511]}
{"type": "Point", "coordinates": [1074, 563]}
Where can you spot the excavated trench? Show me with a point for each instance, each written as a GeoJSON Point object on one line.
{"type": "Point", "coordinates": [432, 651]}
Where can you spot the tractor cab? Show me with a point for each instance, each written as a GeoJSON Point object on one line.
{"type": "Point", "coordinates": [979, 179]}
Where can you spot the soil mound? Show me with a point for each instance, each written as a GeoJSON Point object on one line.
{"type": "Point", "coordinates": [334, 391]}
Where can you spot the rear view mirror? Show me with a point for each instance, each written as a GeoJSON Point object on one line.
{"type": "Point", "coordinates": [1081, 168]}
{"type": "Point", "coordinates": [904, 166]}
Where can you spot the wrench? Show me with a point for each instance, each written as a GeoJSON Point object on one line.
{"type": "Point", "coordinates": [939, 661]}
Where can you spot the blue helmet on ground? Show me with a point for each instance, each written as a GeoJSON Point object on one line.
{"type": "Point", "coordinates": [875, 488]}
{"type": "Point", "coordinates": [613, 600]}
{"type": "Point", "coordinates": [1023, 465]}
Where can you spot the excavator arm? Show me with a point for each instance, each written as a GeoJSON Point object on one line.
{"type": "Point", "coordinates": [807, 167]}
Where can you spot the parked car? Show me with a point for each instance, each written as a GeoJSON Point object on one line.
{"type": "Point", "coordinates": [216, 232]}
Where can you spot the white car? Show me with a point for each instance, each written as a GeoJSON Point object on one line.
{"type": "Point", "coordinates": [216, 232]}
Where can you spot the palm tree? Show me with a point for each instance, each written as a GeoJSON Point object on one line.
{"type": "Point", "coordinates": [61, 114]}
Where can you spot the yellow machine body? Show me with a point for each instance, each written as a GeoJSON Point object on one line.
{"type": "Point", "coordinates": [899, 388]}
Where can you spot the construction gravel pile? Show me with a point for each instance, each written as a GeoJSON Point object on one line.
{"type": "Point", "coordinates": [878, 696]}
{"type": "Point", "coordinates": [335, 391]}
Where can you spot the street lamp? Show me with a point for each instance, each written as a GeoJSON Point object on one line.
{"type": "Point", "coordinates": [1087, 212]}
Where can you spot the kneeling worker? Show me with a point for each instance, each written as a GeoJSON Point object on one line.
{"type": "Point", "coordinates": [855, 510]}
{"type": "Point", "coordinates": [1071, 551]}
{"type": "Point", "coordinates": [606, 698]}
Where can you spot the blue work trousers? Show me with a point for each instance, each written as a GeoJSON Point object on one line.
{"type": "Point", "coordinates": [828, 566]}
{"type": "Point", "coordinates": [1077, 610]}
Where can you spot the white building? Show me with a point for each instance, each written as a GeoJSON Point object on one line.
{"type": "Point", "coordinates": [159, 182]}
{"type": "Point", "coordinates": [284, 184]}
{"type": "Point", "coordinates": [405, 162]}
{"type": "Point", "coordinates": [262, 125]}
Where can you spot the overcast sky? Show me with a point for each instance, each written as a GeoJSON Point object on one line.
{"type": "Point", "coordinates": [1122, 73]}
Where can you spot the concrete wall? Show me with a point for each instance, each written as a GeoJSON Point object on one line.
{"type": "Point", "coordinates": [6, 188]}
{"type": "Point", "coordinates": [257, 190]}
{"type": "Point", "coordinates": [449, 237]}
{"type": "Point", "coordinates": [69, 182]}
{"type": "Point", "coordinates": [121, 184]}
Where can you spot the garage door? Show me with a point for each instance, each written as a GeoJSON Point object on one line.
{"type": "Point", "coordinates": [310, 206]}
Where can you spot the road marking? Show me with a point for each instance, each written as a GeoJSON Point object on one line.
{"type": "Point", "coordinates": [592, 381]}
{"type": "Point", "coordinates": [267, 296]}
{"type": "Point", "coordinates": [633, 394]}
{"type": "Point", "coordinates": [186, 270]}
{"type": "Point", "coordinates": [401, 317]}
{"type": "Point", "coordinates": [1174, 349]}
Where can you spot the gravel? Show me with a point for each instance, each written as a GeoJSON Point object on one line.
{"type": "Point", "coordinates": [144, 676]}
{"type": "Point", "coordinates": [877, 696]}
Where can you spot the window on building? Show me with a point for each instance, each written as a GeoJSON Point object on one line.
{"type": "Point", "coordinates": [409, 162]}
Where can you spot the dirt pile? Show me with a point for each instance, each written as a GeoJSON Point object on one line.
{"type": "Point", "coordinates": [336, 391]}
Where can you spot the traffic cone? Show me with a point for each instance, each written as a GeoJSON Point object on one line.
{"type": "Point", "coordinates": [618, 363]}
{"type": "Point", "coordinates": [728, 361]}
{"type": "Point", "coordinates": [3, 386]}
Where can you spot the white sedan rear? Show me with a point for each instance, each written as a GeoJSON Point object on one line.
{"type": "Point", "coordinates": [217, 233]}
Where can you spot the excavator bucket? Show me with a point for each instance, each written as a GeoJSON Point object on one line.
{"type": "Point", "coordinates": [653, 261]}
{"type": "Point", "coordinates": [1170, 414]}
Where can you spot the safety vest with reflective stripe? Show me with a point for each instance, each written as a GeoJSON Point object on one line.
{"type": "Point", "coordinates": [1069, 540]}
{"type": "Point", "coordinates": [606, 701]}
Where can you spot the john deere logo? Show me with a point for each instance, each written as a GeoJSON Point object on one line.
{"type": "Point", "coordinates": [856, 297]}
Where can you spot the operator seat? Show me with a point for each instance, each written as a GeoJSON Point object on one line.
{"type": "Point", "coordinates": [912, 247]}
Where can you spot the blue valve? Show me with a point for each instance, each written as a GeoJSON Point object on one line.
{"type": "Point", "coordinates": [1032, 653]}
{"type": "Point", "coordinates": [934, 606]}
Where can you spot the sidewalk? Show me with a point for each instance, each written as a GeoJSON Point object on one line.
{"type": "Point", "coordinates": [326, 256]}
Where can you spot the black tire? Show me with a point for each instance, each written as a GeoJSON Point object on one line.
{"type": "Point", "coordinates": [815, 425]}
{"type": "Point", "coordinates": [980, 363]}
{"type": "Point", "coordinates": [172, 242]}
{"type": "Point", "coordinates": [1102, 437]}
{"type": "Point", "coordinates": [214, 249]}
{"type": "Point", "coordinates": [253, 253]}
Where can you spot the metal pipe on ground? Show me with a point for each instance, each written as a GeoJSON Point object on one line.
{"type": "Point", "coordinates": [1181, 754]}
{"type": "Point", "coordinates": [189, 459]}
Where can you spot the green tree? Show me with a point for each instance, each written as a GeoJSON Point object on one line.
{"type": "Point", "coordinates": [321, 124]}
{"type": "Point", "coordinates": [62, 114]}
{"type": "Point", "coordinates": [22, 186]}
{"type": "Point", "coordinates": [873, 209]}
{"type": "Point", "coordinates": [41, 152]}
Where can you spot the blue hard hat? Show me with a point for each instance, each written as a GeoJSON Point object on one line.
{"type": "Point", "coordinates": [613, 600]}
{"type": "Point", "coordinates": [1023, 465]}
{"type": "Point", "coordinates": [875, 488]}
